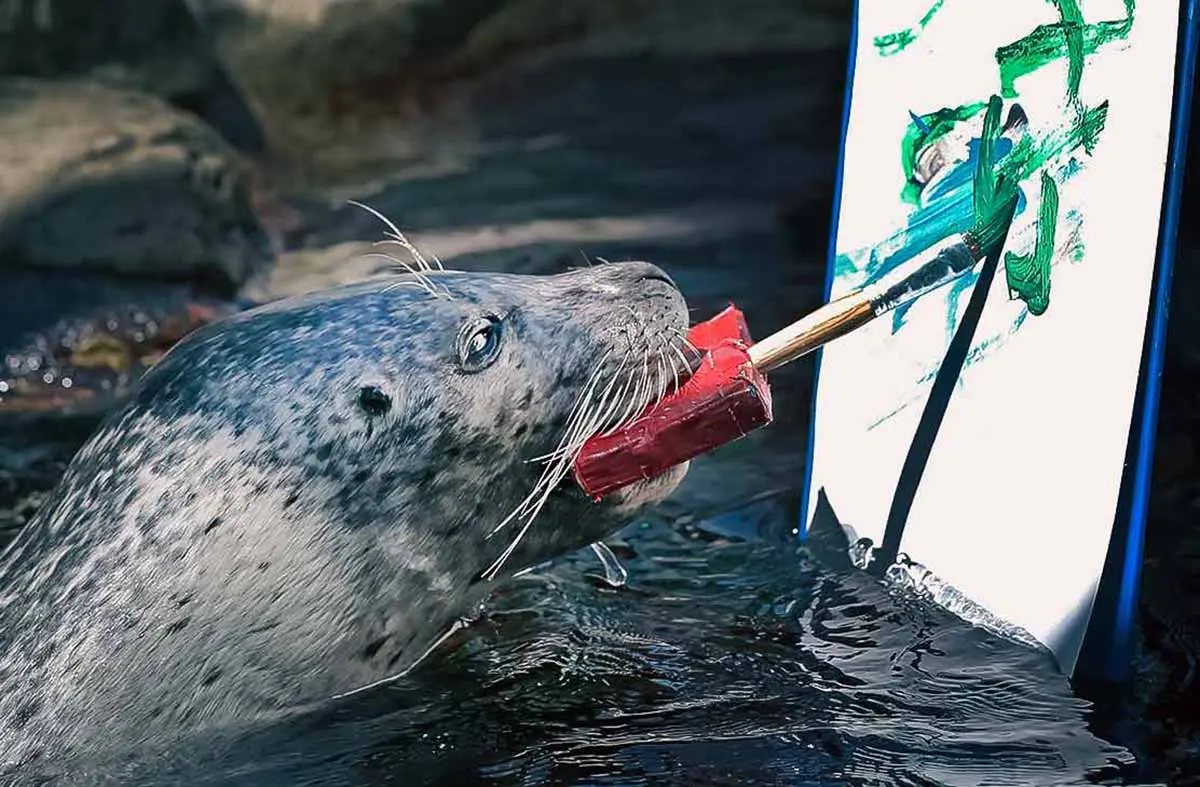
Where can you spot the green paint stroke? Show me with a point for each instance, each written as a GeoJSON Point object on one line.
{"type": "Point", "coordinates": [894, 43]}
{"type": "Point", "coordinates": [1029, 274]}
{"type": "Point", "coordinates": [994, 193]}
{"type": "Point", "coordinates": [916, 139]}
{"type": "Point", "coordinates": [1031, 154]}
{"type": "Point", "coordinates": [1070, 37]}
{"type": "Point", "coordinates": [1073, 25]}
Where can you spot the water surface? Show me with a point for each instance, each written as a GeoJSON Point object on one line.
{"type": "Point", "coordinates": [733, 657]}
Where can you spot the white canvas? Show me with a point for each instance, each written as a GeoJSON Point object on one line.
{"type": "Point", "coordinates": [1016, 504]}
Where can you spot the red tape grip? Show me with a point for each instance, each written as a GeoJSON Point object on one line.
{"type": "Point", "coordinates": [725, 398]}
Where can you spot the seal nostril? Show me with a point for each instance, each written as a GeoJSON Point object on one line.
{"type": "Point", "coordinates": [660, 277]}
{"type": "Point", "coordinates": [373, 400]}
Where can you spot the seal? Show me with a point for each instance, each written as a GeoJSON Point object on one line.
{"type": "Point", "coordinates": [301, 500]}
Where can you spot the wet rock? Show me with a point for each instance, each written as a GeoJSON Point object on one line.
{"type": "Point", "coordinates": [29, 469]}
{"type": "Point", "coordinates": [297, 61]}
{"type": "Point", "coordinates": [71, 348]}
{"type": "Point", "coordinates": [693, 28]}
{"type": "Point", "coordinates": [151, 45]}
{"type": "Point", "coordinates": [317, 71]}
{"type": "Point", "coordinates": [107, 180]}
{"type": "Point", "coordinates": [91, 340]}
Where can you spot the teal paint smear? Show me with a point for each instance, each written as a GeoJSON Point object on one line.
{"type": "Point", "coordinates": [895, 43]}
{"type": "Point", "coordinates": [1029, 274]}
{"type": "Point", "coordinates": [1074, 251]}
{"type": "Point", "coordinates": [1070, 37]}
{"type": "Point", "coordinates": [923, 131]}
{"type": "Point", "coordinates": [977, 353]}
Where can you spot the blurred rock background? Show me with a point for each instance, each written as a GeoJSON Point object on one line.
{"type": "Point", "coordinates": [165, 162]}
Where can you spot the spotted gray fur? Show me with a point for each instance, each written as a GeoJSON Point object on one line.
{"type": "Point", "coordinates": [253, 534]}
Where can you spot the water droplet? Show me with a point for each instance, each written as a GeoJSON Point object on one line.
{"type": "Point", "coordinates": [48, 378]}
{"type": "Point", "coordinates": [66, 382]}
{"type": "Point", "coordinates": [614, 573]}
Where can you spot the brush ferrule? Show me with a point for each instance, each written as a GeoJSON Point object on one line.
{"type": "Point", "coordinates": [941, 263]}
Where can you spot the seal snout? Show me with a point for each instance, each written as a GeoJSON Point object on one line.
{"type": "Point", "coordinates": [655, 274]}
{"type": "Point", "coordinates": [639, 274]}
{"type": "Point", "coordinates": [625, 277]}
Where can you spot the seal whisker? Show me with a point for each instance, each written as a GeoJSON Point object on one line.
{"type": "Point", "coordinates": [556, 472]}
{"type": "Point", "coordinates": [577, 424]}
{"type": "Point", "coordinates": [609, 425]}
{"type": "Point", "coordinates": [675, 358]}
{"type": "Point", "coordinates": [398, 264]}
{"type": "Point", "coordinates": [420, 285]}
{"type": "Point", "coordinates": [417, 274]}
{"type": "Point", "coordinates": [580, 430]}
{"type": "Point", "coordinates": [660, 382]}
{"type": "Point", "coordinates": [679, 353]}
{"type": "Point", "coordinates": [395, 285]}
{"type": "Point", "coordinates": [407, 245]}
{"type": "Point", "coordinates": [398, 237]}
{"type": "Point", "coordinates": [404, 244]}
{"type": "Point", "coordinates": [613, 408]}
{"type": "Point", "coordinates": [670, 381]}
{"type": "Point", "coordinates": [575, 412]}
{"type": "Point", "coordinates": [630, 412]}
{"type": "Point", "coordinates": [632, 408]}
{"type": "Point", "coordinates": [662, 354]}
{"type": "Point", "coordinates": [642, 397]}
{"type": "Point", "coordinates": [589, 426]}
{"type": "Point", "coordinates": [687, 343]}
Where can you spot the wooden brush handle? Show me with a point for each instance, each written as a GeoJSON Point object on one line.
{"type": "Point", "coordinates": [942, 262]}
{"type": "Point", "coordinates": [834, 319]}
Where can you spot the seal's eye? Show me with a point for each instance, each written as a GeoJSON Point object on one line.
{"type": "Point", "coordinates": [373, 401]}
{"type": "Point", "coordinates": [479, 342]}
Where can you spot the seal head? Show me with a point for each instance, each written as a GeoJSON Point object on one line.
{"type": "Point", "coordinates": [300, 500]}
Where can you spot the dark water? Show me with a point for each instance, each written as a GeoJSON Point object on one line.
{"type": "Point", "coordinates": [731, 658]}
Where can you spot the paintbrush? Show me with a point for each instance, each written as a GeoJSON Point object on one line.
{"type": "Point", "coordinates": [727, 395]}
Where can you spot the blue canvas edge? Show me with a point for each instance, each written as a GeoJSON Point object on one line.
{"type": "Point", "coordinates": [1109, 642]}
{"type": "Point", "coordinates": [852, 59]}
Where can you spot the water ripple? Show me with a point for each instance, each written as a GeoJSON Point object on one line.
{"type": "Point", "coordinates": [725, 662]}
